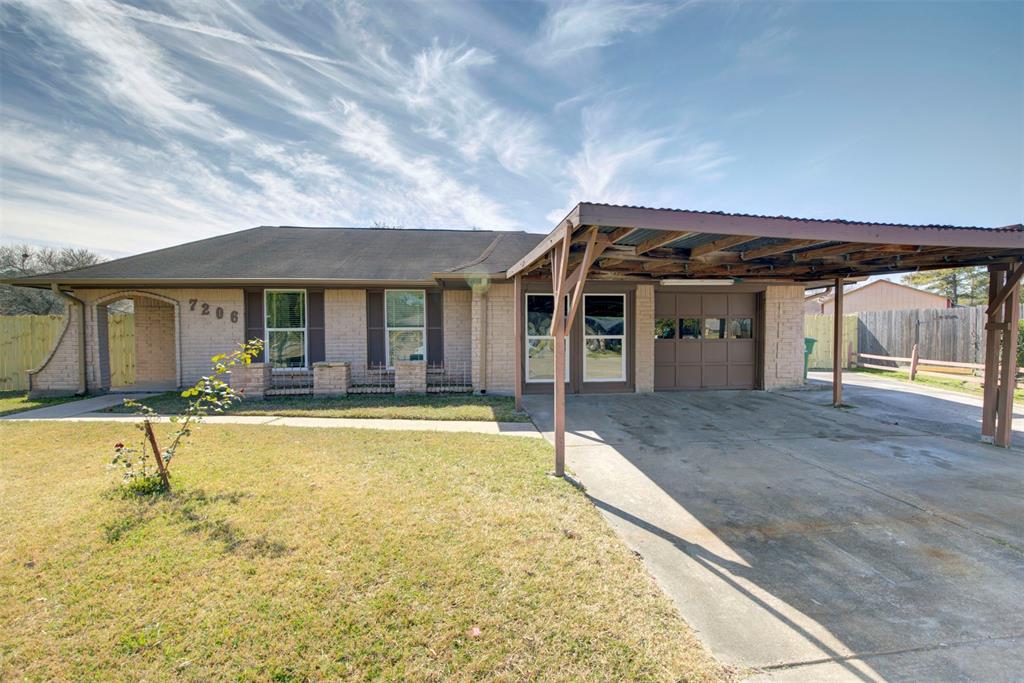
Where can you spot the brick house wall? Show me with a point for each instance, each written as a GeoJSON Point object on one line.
{"type": "Point", "coordinates": [458, 321]}
{"type": "Point", "coordinates": [345, 327]}
{"type": "Point", "coordinates": [492, 326]}
{"type": "Point", "coordinates": [155, 353]}
{"type": "Point", "coordinates": [643, 358]}
{"type": "Point", "coordinates": [59, 372]}
{"type": "Point", "coordinates": [784, 336]}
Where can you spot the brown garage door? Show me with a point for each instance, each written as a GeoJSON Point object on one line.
{"type": "Point", "coordinates": [704, 341]}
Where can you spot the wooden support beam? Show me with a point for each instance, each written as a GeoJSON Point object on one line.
{"type": "Point", "coordinates": [837, 346]}
{"type": "Point", "coordinates": [619, 234]}
{"type": "Point", "coordinates": [517, 288]}
{"type": "Point", "coordinates": [1012, 281]}
{"type": "Point", "coordinates": [720, 244]}
{"type": "Point", "coordinates": [559, 263]}
{"type": "Point", "coordinates": [1008, 364]}
{"type": "Point", "coordinates": [828, 252]}
{"type": "Point", "coordinates": [993, 332]}
{"type": "Point", "coordinates": [579, 278]}
{"type": "Point", "coordinates": [778, 248]}
{"type": "Point", "coordinates": [655, 242]}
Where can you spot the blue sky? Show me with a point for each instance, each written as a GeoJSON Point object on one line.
{"type": "Point", "coordinates": [127, 127]}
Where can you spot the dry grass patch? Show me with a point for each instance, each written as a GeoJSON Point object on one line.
{"type": "Point", "coordinates": [303, 554]}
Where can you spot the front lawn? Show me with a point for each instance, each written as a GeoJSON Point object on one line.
{"type": "Point", "coordinates": [17, 401]}
{"type": "Point", "coordinates": [292, 554]}
{"type": "Point", "coordinates": [410, 407]}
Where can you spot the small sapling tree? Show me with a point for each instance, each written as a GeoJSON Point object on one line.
{"type": "Point", "coordinates": [211, 394]}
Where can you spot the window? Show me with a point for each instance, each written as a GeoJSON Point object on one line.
{"type": "Point", "coordinates": [540, 345]}
{"type": "Point", "coordinates": [405, 316]}
{"type": "Point", "coordinates": [689, 328]}
{"type": "Point", "coordinates": [741, 328]}
{"type": "Point", "coordinates": [285, 328]}
{"type": "Point", "coordinates": [664, 328]}
{"type": "Point", "coordinates": [604, 341]}
{"type": "Point", "coordinates": [714, 328]}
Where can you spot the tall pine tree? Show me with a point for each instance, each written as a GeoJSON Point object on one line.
{"type": "Point", "coordinates": [963, 286]}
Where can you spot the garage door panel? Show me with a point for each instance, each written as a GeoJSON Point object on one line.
{"type": "Point", "coordinates": [688, 377]}
{"type": "Point", "coordinates": [664, 352]}
{"type": "Point", "coordinates": [741, 376]}
{"type": "Point", "coordinates": [664, 376]}
{"type": "Point", "coordinates": [742, 305]}
{"type": "Point", "coordinates": [715, 305]}
{"type": "Point", "coordinates": [688, 305]}
{"type": "Point", "coordinates": [714, 352]}
{"type": "Point", "coordinates": [742, 351]}
{"type": "Point", "coordinates": [714, 376]}
{"type": "Point", "coordinates": [664, 305]}
{"type": "Point", "coordinates": [688, 352]}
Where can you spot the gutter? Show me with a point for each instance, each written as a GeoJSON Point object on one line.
{"type": "Point", "coordinates": [55, 288]}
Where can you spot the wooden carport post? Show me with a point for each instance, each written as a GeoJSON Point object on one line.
{"type": "Point", "coordinates": [993, 325]}
{"type": "Point", "coordinates": [1002, 331]}
{"type": "Point", "coordinates": [562, 283]}
{"type": "Point", "coordinates": [837, 345]}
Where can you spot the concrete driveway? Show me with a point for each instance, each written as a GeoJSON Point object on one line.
{"type": "Point", "coordinates": [809, 543]}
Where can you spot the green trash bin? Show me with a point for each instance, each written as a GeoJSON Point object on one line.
{"type": "Point", "coordinates": [809, 343]}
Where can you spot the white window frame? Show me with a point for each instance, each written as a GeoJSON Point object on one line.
{"type": "Point", "coordinates": [388, 328]}
{"type": "Point", "coordinates": [304, 328]}
{"type": "Point", "coordinates": [586, 337]}
{"type": "Point", "coordinates": [527, 338]}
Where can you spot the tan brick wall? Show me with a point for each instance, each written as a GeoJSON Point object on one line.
{"type": "Point", "coordinates": [458, 333]}
{"type": "Point", "coordinates": [784, 336]}
{"type": "Point", "coordinates": [201, 336]}
{"type": "Point", "coordinates": [331, 379]}
{"type": "Point", "coordinates": [251, 380]}
{"type": "Point", "coordinates": [410, 377]}
{"type": "Point", "coordinates": [345, 326]}
{"type": "Point", "coordinates": [643, 358]}
{"type": "Point", "coordinates": [500, 338]}
{"type": "Point", "coordinates": [59, 373]}
{"type": "Point", "coordinates": [155, 353]}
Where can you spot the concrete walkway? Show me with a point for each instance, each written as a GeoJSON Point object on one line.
{"type": "Point", "coordinates": [85, 411]}
{"type": "Point", "coordinates": [73, 408]}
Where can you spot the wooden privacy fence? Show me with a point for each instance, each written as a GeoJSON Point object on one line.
{"type": "Point", "coordinates": [26, 340]}
{"type": "Point", "coordinates": [952, 335]}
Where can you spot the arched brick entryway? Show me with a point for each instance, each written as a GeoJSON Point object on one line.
{"type": "Point", "coordinates": [156, 347]}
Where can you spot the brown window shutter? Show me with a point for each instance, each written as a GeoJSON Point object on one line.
{"type": "Point", "coordinates": [375, 328]}
{"type": "Point", "coordinates": [315, 325]}
{"type": "Point", "coordinates": [254, 323]}
{"type": "Point", "coordinates": [435, 328]}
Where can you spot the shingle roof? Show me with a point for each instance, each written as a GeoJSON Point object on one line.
{"type": "Point", "coordinates": [267, 253]}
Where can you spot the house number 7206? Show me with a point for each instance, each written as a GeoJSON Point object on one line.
{"type": "Point", "coordinates": [204, 309]}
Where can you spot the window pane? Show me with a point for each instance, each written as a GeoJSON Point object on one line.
{"type": "Point", "coordinates": [664, 328]}
{"type": "Point", "coordinates": [604, 314]}
{"type": "Point", "coordinates": [539, 310]}
{"type": "Point", "coordinates": [404, 344]}
{"type": "Point", "coordinates": [741, 328]}
{"type": "Point", "coordinates": [286, 309]}
{"type": "Point", "coordinates": [287, 349]}
{"type": "Point", "coordinates": [714, 328]}
{"type": "Point", "coordinates": [540, 362]}
{"type": "Point", "coordinates": [604, 359]}
{"type": "Point", "coordinates": [405, 308]}
{"type": "Point", "coordinates": [689, 328]}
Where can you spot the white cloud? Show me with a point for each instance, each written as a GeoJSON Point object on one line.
{"type": "Point", "coordinates": [575, 27]}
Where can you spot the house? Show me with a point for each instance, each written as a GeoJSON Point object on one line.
{"type": "Point", "coordinates": [615, 299]}
{"type": "Point", "coordinates": [880, 295]}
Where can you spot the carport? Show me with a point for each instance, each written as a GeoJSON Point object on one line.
{"type": "Point", "coordinates": [597, 242]}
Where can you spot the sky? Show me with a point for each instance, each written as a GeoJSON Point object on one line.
{"type": "Point", "coordinates": [126, 127]}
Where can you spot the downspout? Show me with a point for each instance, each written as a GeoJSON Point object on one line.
{"type": "Point", "coordinates": [483, 342]}
{"type": "Point", "coordinates": [81, 332]}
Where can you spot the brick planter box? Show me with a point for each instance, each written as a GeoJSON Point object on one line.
{"type": "Point", "coordinates": [331, 379]}
{"type": "Point", "coordinates": [251, 380]}
{"type": "Point", "coordinates": [410, 377]}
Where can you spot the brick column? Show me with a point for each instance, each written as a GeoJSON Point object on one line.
{"type": "Point", "coordinates": [331, 379]}
{"type": "Point", "coordinates": [644, 336]}
{"type": "Point", "coordinates": [410, 377]}
{"type": "Point", "coordinates": [477, 328]}
{"type": "Point", "coordinates": [784, 336]}
{"type": "Point", "coordinates": [251, 380]}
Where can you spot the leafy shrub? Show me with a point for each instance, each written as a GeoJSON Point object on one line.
{"type": "Point", "coordinates": [146, 469]}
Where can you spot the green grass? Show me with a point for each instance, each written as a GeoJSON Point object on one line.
{"type": "Point", "coordinates": [17, 401]}
{"type": "Point", "coordinates": [288, 554]}
{"type": "Point", "coordinates": [949, 383]}
{"type": "Point", "coordinates": [412, 407]}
